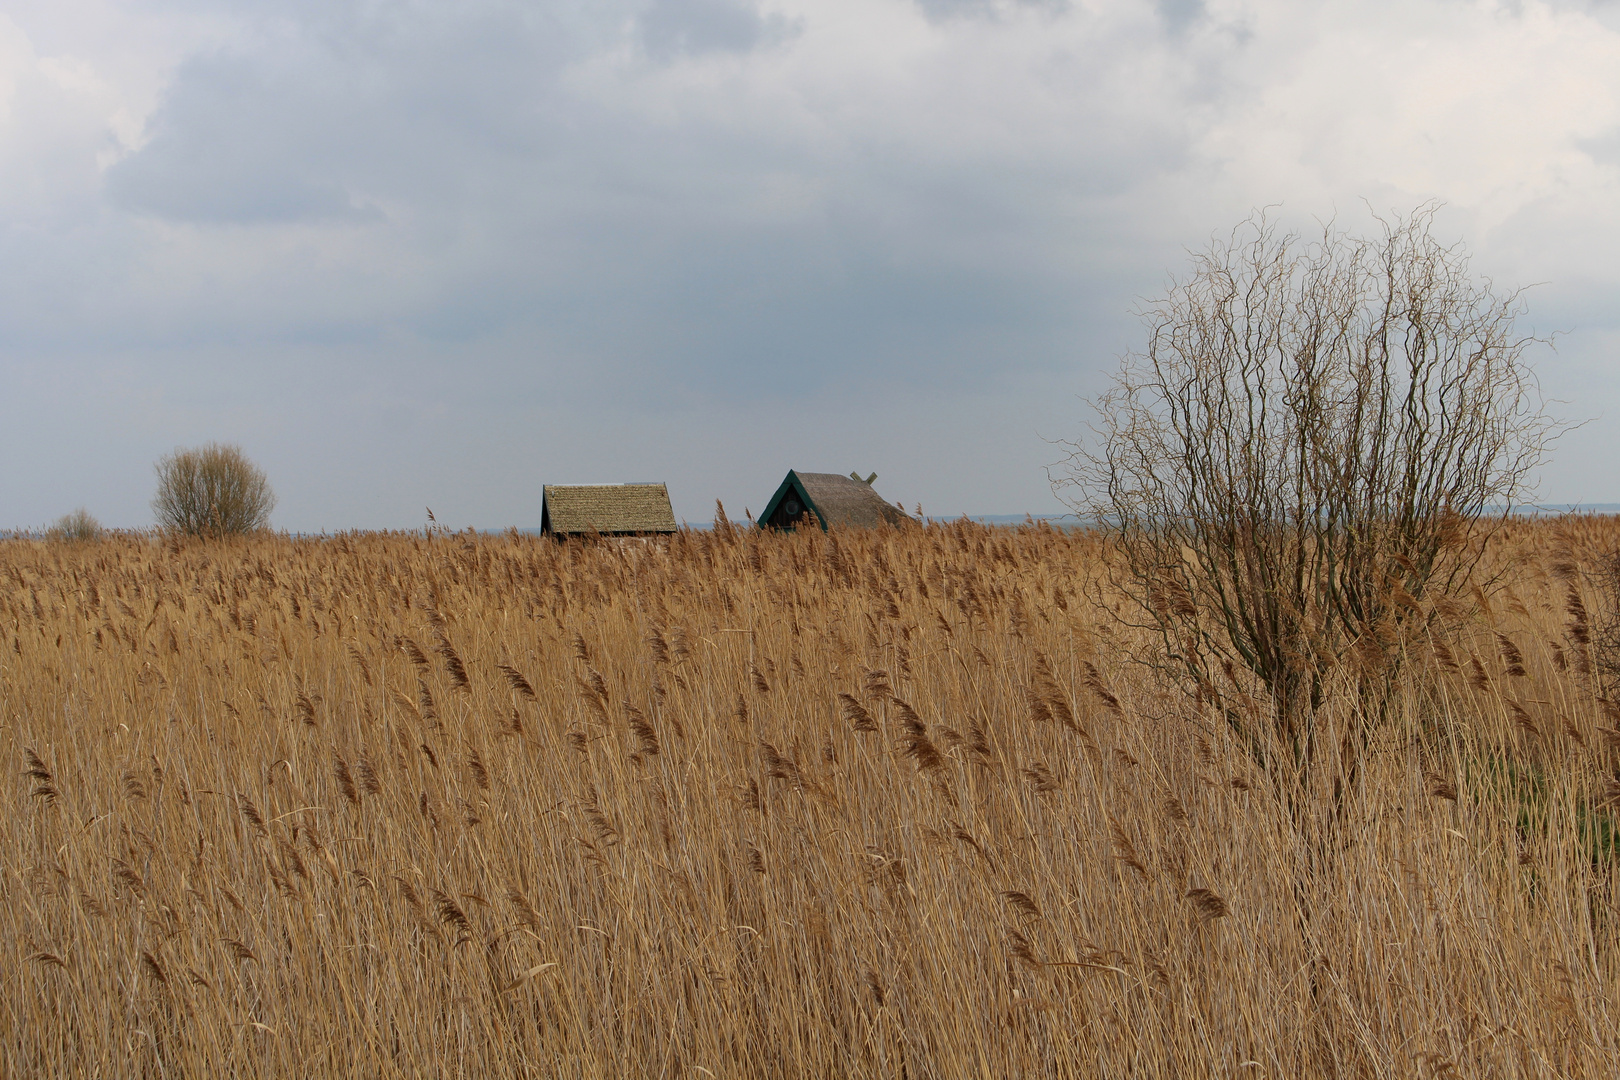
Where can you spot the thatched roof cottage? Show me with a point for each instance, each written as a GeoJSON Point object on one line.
{"type": "Point", "coordinates": [606, 510]}
{"type": "Point", "coordinates": [832, 500]}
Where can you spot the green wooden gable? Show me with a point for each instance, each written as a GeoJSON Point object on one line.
{"type": "Point", "coordinates": [830, 499]}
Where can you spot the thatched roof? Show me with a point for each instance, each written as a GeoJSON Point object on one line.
{"type": "Point", "coordinates": [834, 499]}
{"type": "Point", "coordinates": [606, 509]}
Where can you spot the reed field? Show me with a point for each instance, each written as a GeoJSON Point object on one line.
{"type": "Point", "coordinates": [896, 803]}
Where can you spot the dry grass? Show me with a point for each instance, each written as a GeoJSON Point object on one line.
{"type": "Point", "coordinates": [869, 804]}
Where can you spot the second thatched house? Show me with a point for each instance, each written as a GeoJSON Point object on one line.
{"type": "Point", "coordinates": [831, 500]}
{"type": "Point", "coordinates": [606, 510]}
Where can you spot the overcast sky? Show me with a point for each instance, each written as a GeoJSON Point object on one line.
{"type": "Point", "coordinates": [416, 254]}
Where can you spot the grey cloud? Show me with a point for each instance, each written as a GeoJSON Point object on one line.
{"type": "Point", "coordinates": [220, 154]}
{"type": "Point", "coordinates": [587, 239]}
{"type": "Point", "coordinates": [671, 27]}
{"type": "Point", "coordinates": [1604, 149]}
{"type": "Point", "coordinates": [656, 248]}
{"type": "Point", "coordinates": [324, 121]}
{"type": "Point", "coordinates": [944, 10]}
{"type": "Point", "coordinates": [1178, 15]}
{"type": "Point", "coordinates": [228, 146]}
{"type": "Point", "coordinates": [1604, 12]}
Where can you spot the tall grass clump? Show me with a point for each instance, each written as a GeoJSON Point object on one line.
{"type": "Point", "coordinates": [744, 804]}
{"type": "Point", "coordinates": [1603, 627]}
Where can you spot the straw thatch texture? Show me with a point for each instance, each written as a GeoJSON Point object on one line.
{"type": "Point", "coordinates": [835, 500]}
{"type": "Point", "coordinates": [606, 509]}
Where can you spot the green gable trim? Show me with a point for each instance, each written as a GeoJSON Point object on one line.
{"type": "Point", "coordinates": [791, 485]}
{"type": "Point", "coordinates": [835, 500]}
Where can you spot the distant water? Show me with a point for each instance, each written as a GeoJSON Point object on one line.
{"type": "Point", "coordinates": [1017, 519]}
{"type": "Point", "coordinates": [1568, 508]}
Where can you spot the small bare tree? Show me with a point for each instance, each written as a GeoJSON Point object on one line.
{"type": "Point", "coordinates": [1295, 468]}
{"type": "Point", "coordinates": [76, 527]}
{"type": "Point", "coordinates": [213, 490]}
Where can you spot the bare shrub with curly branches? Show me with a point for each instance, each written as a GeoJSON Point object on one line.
{"type": "Point", "coordinates": [1305, 459]}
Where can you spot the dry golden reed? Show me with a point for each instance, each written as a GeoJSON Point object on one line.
{"type": "Point", "coordinates": [894, 803]}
